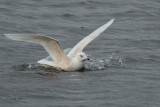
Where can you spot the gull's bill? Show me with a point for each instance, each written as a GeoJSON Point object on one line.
{"type": "Point", "coordinates": [84, 42]}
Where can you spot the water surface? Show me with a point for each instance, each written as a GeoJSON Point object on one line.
{"type": "Point", "coordinates": [124, 71]}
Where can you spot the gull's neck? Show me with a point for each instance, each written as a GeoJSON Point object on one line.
{"type": "Point", "coordinates": [77, 64]}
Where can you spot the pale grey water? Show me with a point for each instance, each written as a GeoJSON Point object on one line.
{"type": "Point", "coordinates": [134, 37]}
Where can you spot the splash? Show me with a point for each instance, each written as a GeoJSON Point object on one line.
{"type": "Point", "coordinates": [112, 60]}
{"type": "Point", "coordinates": [93, 64]}
{"type": "Point", "coordinates": [35, 66]}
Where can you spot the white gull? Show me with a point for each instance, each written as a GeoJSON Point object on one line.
{"type": "Point", "coordinates": [74, 60]}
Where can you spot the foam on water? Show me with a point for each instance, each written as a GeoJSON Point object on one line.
{"type": "Point", "coordinates": [112, 60]}
{"type": "Point", "coordinates": [93, 64]}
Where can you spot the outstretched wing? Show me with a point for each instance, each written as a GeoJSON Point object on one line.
{"type": "Point", "coordinates": [51, 45]}
{"type": "Point", "coordinates": [84, 42]}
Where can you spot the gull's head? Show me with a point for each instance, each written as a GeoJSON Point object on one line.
{"type": "Point", "coordinates": [81, 56]}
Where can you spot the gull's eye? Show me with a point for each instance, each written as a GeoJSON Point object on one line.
{"type": "Point", "coordinates": [81, 56]}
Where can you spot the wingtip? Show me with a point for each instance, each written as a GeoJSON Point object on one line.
{"type": "Point", "coordinates": [109, 23]}
{"type": "Point", "coordinates": [11, 36]}
{"type": "Point", "coordinates": [6, 35]}
{"type": "Point", "coordinates": [112, 20]}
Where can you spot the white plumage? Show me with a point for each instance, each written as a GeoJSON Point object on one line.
{"type": "Point", "coordinates": [71, 62]}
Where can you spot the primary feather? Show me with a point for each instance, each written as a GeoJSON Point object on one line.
{"type": "Point", "coordinates": [51, 45]}
{"type": "Point", "coordinates": [84, 42]}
